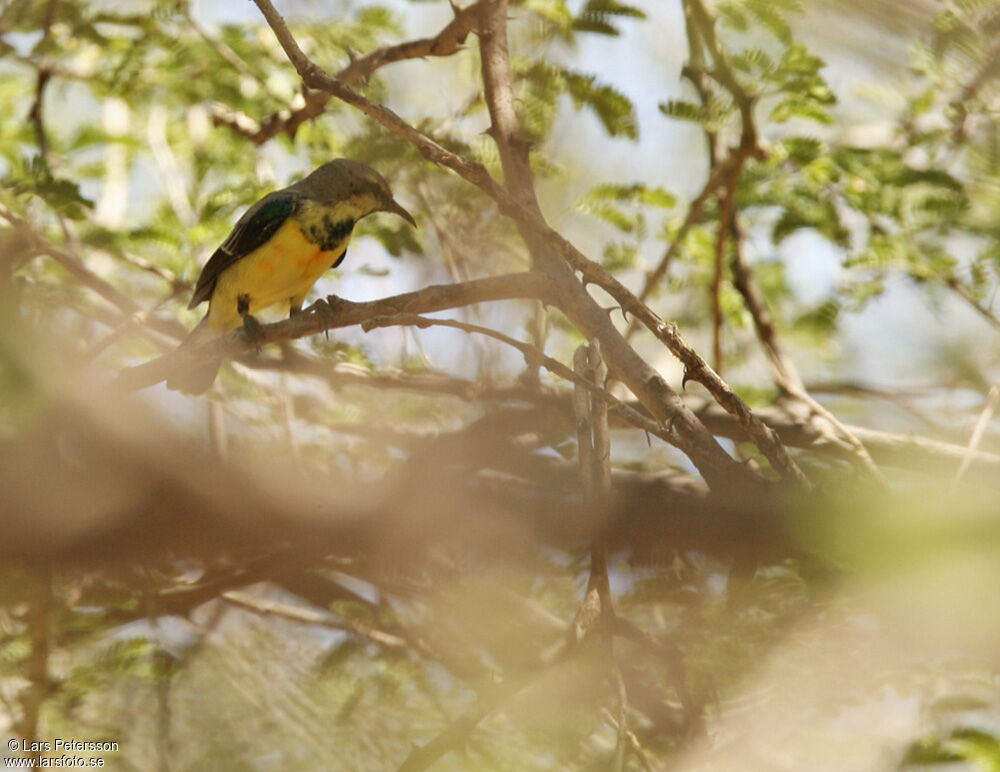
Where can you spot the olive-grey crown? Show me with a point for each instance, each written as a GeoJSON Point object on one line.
{"type": "Point", "coordinates": [345, 178]}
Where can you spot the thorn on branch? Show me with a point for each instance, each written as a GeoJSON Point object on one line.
{"type": "Point", "coordinates": [692, 374]}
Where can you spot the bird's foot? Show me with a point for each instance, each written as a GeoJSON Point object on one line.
{"type": "Point", "coordinates": [253, 329]}
{"type": "Point", "coordinates": [316, 307]}
{"type": "Point", "coordinates": [326, 307]}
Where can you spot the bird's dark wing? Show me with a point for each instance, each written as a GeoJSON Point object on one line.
{"type": "Point", "coordinates": [254, 228]}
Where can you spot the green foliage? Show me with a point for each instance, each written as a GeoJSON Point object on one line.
{"type": "Point", "coordinates": [599, 16]}
{"type": "Point", "coordinates": [979, 748]}
{"type": "Point", "coordinates": [686, 111]}
{"type": "Point", "coordinates": [613, 108]}
{"type": "Point", "coordinates": [543, 82]}
{"type": "Point", "coordinates": [34, 178]}
{"type": "Point", "coordinates": [609, 202]}
{"type": "Point", "coordinates": [820, 322]}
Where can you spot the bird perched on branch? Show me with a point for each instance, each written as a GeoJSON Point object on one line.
{"type": "Point", "coordinates": [277, 251]}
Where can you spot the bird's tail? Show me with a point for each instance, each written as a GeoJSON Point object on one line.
{"type": "Point", "coordinates": [196, 376]}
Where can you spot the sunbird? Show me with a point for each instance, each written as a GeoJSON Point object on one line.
{"type": "Point", "coordinates": [277, 251]}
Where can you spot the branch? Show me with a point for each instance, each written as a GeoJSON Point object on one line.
{"type": "Point", "coordinates": [36, 113]}
{"type": "Point", "coordinates": [796, 427]}
{"type": "Point", "coordinates": [37, 621]}
{"type": "Point", "coordinates": [695, 368]}
{"type": "Point", "coordinates": [701, 30]}
{"type": "Point", "coordinates": [654, 277]}
{"type": "Point", "coordinates": [533, 357]}
{"type": "Point", "coordinates": [622, 729]}
{"type": "Point", "coordinates": [595, 470]}
{"type": "Point", "coordinates": [454, 736]}
{"type": "Point", "coordinates": [337, 312]}
{"type": "Point", "coordinates": [343, 374]}
{"type": "Point", "coordinates": [783, 370]}
{"type": "Point", "coordinates": [718, 172]}
{"type": "Point", "coordinates": [986, 72]}
{"type": "Point", "coordinates": [596, 612]}
{"type": "Point", "coordinates": [310, 617]}
{"type": "Point", "coordinates": [719, 267]}
{"type": "Point", "coordinates": [662, 402]}
{"type": "Point", "coordinates": [628, 366]}
{"type": "Point", "coordinates": [704, 22]}
{"type": "Point", "coordinates": [447, 42]}
{"type": "Point", "coordinates": [672, 659]}
{"type": "Point", "coordinates": [315, 77]}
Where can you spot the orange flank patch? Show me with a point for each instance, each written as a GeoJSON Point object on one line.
{"type": "Point", "coordinates": [315, 264]}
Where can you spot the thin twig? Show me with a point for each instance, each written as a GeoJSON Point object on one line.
{"type": "Point", "coordinates": [37, 621]}
{"type": "Point", "coordinates": [719, 268]}
{"type": "Point", "coordinates": [634, 745]}
{"type": "Point", "coordinates": [310, 617]}
{"type": "Point", "coordinates": [455, 734]}
{"type": "Point", "coordinates": [75, 266]}
{"type": "Point", "coordinates": [976, 306]}
{"type": "Point", "coordinates": [783, 369]}
{"type": "Point", "coordinates": [595, 474]}
{"type": "Point", "coordinates": [621, 723]}
{"type": "Point", "coordinates": [992, 400]}
{"type": "Point", "coordinates": [36, 112]}
{"type": "Point", "coordinates": [447, 42]}
{"type": "Point", "coordinates": [129, 322]}
{"type": "Point", "coordinates": [227, 54]}
{"type": "Point", "coordinates": [986, 71]}
{"type": "Point", "coordinates": [654, 277]}
{"type": "Point", "coordinates": [533, 356]}
{"type": "Point", "coordinates": [672, 658]}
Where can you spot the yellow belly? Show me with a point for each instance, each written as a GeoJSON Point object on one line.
{"type": "Point", "coordinates": [283, 270]}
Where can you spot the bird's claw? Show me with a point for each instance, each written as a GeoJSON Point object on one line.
{"type": "Point", "coordinates": [253, 329]}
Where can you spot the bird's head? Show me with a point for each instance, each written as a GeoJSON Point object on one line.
{"type": "Point", "coordinates": [354, 183]}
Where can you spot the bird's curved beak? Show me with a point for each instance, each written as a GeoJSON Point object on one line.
{"type": "Point", "coordinates": [395, 208]}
